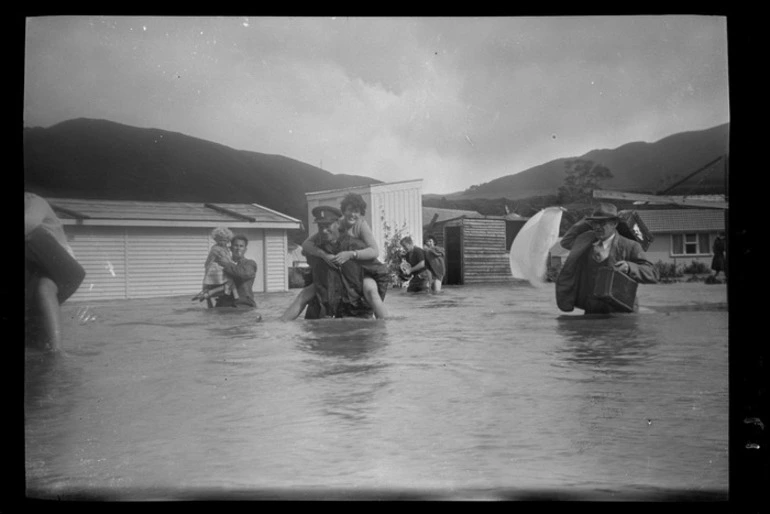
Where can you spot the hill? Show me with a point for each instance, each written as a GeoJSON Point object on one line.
{"type": "Point", "coordinates": [636, 167]}
{"type": "Point", "coordinates": [88, 158]}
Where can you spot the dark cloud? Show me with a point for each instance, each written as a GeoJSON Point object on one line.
{"type": "Point", "coordinates": [390, 98]}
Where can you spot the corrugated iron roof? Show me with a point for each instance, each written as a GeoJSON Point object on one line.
{"type": "Point", "coordinates": [683, 220]}
{"type": "Point", "coordinates": [71, 208]}
{"type": "Point", "coordinates": [446, 214]}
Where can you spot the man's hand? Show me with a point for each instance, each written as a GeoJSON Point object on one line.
{"type": "Point", "coordinates": [342, 257]}
{"type": "Point", "coordinates": [222, 259]}
{"type": "Point", "coordinates": [623, 267]}
{"type": "Point", "coordinates": [329, 259]}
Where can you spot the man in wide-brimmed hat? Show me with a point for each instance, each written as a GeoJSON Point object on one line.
{"type": "Point", "coordinates": [594, 243]}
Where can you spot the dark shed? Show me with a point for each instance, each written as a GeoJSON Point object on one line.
{"type": "Point", "coordinates": [476, 247]}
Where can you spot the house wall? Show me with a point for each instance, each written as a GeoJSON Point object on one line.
{"type": "Point", "coordinates": [661, 249]}
{"type": "Point", "coordinates": [275, 261]}
{"type": "Point", "coordinates": [142, 262]}
{"type": "Point", "coordinates": [398, 204]}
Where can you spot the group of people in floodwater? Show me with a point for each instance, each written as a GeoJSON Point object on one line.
{"type": "Point", "coordinates": [348, 279]}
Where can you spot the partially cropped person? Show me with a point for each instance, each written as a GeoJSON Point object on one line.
{"type": "Point", "coordinates": [719, 261]}
{"type": "Point", "coordinates": [414, 267]}
{"type": "Point", "coordinates": [595, 243]}
{"type": "Point", "coordinates": [52, 274]}
{"type": "Point", "coordinates": [434, 260]}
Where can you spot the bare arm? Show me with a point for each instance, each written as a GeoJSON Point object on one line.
{"type": "Point", "coordinates": [419, 266]}
{"type": "Point", "coordinates": [371, 251]}
{"type": "Point", "coordinates": [310, 248]}
{"type": "Point", "coordinates": [244, 269]}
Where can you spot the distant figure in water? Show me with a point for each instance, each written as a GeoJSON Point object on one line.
{"type": "Point", "coordinates": [434, 260]}
{"type": "Point", "coordinates": [719, 262]}
{"type": "Point", "coordinates": [414, 267]}
{"type": "Point", "coordinates": [215, 281]}
{"type": "Point", "coordinates": [51, 272]}
{"type": "Point", "coordinates": [595, 243]}
{"type": "Point", "coordinates": [242, 271]}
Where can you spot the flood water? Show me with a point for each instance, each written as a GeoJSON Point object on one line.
{"type": "Point", "coordinates": [481, 392]}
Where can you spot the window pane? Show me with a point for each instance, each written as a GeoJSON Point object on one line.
{"type": "Point", "coordinates": [691, 248]}
{"type": "Point", "coordinates": [690, 238]}
{"type": "Point", "coordinates": [677, 247]}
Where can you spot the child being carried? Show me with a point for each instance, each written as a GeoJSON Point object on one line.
{"type": "Point", "coordinates": [215, 281]}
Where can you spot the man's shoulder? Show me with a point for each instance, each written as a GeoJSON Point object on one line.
{"type": "Point", "coordinates": [627, 243]}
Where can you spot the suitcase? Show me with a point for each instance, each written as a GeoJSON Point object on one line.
{"type": "Point", "coordinates": [616, 288]}
{"type": "Point", "coordinates": [631, 226]}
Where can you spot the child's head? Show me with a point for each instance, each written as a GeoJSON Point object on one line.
{"type": "Point", "coordinates": [222, 235]}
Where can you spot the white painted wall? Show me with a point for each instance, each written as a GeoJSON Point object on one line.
{"type": "Point", "coordinates": [661, 249]}
{"type": "Point", "coordinates": [397, 203]}
{"type": "Point", "coordinates": [142, 262]}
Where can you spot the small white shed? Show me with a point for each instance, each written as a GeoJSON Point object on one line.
{"type": "Point", "coordinates": [399, 204]}
{"type": "Point", "coordinates": [153, 249]}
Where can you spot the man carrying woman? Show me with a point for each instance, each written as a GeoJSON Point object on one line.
{"type": "Point", "coordinates": [348, 279]}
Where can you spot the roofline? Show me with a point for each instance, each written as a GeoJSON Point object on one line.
{"type": "Point", "coordinates": [361, 187]}
{"type": "Point", "coordinates": [681, 230]}
{"type": "Point", "coordinates": [448, 219]}
{"type": "Point", "coordinates": [276, 212]}
{"type": "Point", "coordinates": [178, 223]}
{"type": "Point", "coordinates": [479, 217]}
{"type": "Point", "coordinates": [84, 219]}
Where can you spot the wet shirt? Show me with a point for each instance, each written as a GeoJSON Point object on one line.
{"type": "Point", "coordinates": [242, 273]}
{"type": "Point", "coordinates": [414, 258]}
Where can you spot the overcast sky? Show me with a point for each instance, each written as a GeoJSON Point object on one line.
{"type": "Point", "coordinates": [454, 101]}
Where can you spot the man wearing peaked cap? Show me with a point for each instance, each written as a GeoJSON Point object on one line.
{"type": "Point", "coordinates": [326, 214]}
{"type": "Point", "coordinates": [595, 243]}
{"type": "Point", "coordinates": [338, 290]}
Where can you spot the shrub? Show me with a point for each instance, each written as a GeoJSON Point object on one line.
{"type": "Point", "coordinates": [393, 250]}
{"type": "Point", "coordinates": [668, 271]}
{"type": "Point", "coordinates": [696, 267]}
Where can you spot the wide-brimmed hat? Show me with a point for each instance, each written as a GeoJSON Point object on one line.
{"type": "Point", "coordinates": [604, 211]}
{"type": "Point", "coordinates": [326, 214]}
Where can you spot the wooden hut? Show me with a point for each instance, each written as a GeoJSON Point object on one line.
{"type": "Point", "coordinates": [476, 246]}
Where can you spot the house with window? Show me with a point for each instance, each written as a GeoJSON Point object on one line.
{"type": "Point", "coordinates": [683, 235]}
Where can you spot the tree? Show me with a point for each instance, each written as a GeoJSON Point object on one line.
{"type": "Point", "coordinates": [392, 246]}
{"type": "Point", "coordinates": [583, 176]}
